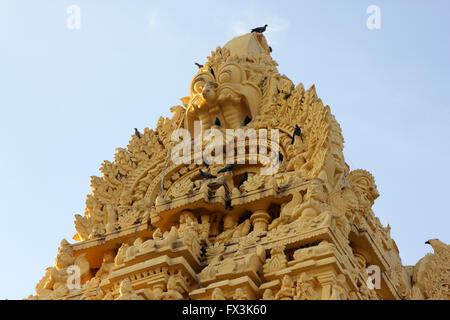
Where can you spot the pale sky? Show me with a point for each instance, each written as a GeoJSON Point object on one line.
{"type": "Point", "coordinates": [69, 98]}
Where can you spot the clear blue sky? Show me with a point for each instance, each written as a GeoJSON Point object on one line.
{"type": "Point", "coordinates": [68, 98]}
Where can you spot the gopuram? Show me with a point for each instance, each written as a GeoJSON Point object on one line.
{"type": "Point", "coordinates": [282, 217]}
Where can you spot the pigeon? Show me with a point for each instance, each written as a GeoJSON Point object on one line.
{"type": "Point", "coordinates": [244, 178]}
{"type": "Point", "coordinates": [438, 246]}
{"type": "Point", "coordinates": [280, 157]}
{"type": "Point", "coordinates": [247, 120]}
{"type": "Point", "coordinates": [137, 133]}
{"type": "Point", "coordinates": [228, 205]}
{"type": "Point", "coordinates": [297, 132]}
{"type": "Point", "coordinates": [212, 72]}
{"type": "Point", "coordinates": [199, 65]}
{"type": "Point", "coordinates": [260, 29]}
{"type": "Point", "coordinates": [207, 175]}
{"type": "Point", "coordinates": [217, 122]}
{"type": "Point", "coordinates": [227, 168]}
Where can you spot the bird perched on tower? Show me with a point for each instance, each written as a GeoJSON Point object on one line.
{"type": "Point", "coordinates": [207, 175]}
{"type": "Point", "coordinates": [137, 133]}
{"type": "Point", "coordinates": [244, 178]}
{"type": "Point", "coordinates": [438, 246]}
{"type": "Point", "coordinates": [260, 29]}
{"type": "Point", "coordinates": [280, 157]}
{"type": "Point", "coordinates": [297, 132]}
{"type": "Point", "coordinates": [247, 120]}
{"type": "Point", "coordinates": [227, 168]}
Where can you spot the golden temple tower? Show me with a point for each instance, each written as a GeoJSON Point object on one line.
{"type": "Point", "coordinates": [157, 228]}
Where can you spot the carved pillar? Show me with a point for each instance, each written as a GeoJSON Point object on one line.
{"type": "Point", "coordinates": [260, 220]}
{"type": "Point", "coordinates": [326, 282]}
{"type": "Point", "coordinates": [158, 290]}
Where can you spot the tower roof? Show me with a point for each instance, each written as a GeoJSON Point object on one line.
{"type": "Point", "coordinates": [248, 44]}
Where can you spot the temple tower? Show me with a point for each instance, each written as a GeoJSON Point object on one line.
{"type": "Point", "coordinates": [262, 205]}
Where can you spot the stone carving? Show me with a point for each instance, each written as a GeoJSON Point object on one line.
{"type": "Point", "coordinates": [174, 290]}
{"type": "Point", "coordinates": [431, 274]}
{"type": "Point", "coordinates": [303, 253]}
{"type": "Point", "coordinates": [180, 188]}
{"type": "Point", "coordinates": [231, 230]}
{"type": "Point", "coordinates": [277, 260]}
{"type": "Point", "coordinates": [287, 290]}
{"type": "Point", "coordinates": [134, 249]}
{"type": "Point", "coordinates": [187, 219]}
{"type": "Point", "coordinates": [313, 203]}
{"type": "Point", "coordinates": [107, 265]}
{"type": "Point", "coordinates": [240, 294]}
{"type": "Point", "coordinates": [53, 285]}
{"type": "Point", "coordinates": [217, 294]}
{"type": "Point", "coordinates": [253, 183]}
{"type": "Point", "coordinates": [268, 295]}
{"type": "Point", "coordinates": [91, 290]}
{"type": "Point", "coordinates": [126, 291]}
{"type": "Point", "coordinates": [191, 238]}
{"type": "Point", "coordinates": [287, 210]}
{"type": "Point", "coordinates": [304, 289]}
{"type": "Point", "coordinates": [337, 290]}
{"type": "Point", "coordinates": [120, 256]}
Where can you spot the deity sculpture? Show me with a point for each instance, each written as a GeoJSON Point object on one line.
{"type": "Point", "coordinates": [304, 289]}
{"type": "Point", "coordinates": [126, 291]}
{"type": "Point", "coordinates": [54, 285]}
{"type": "Point", "coordinates": [313, 203]}
{"type": "Point", "coordinates": [217, 294]}
{"type": "Point", "coordinates": [287, 291]}
{"type": "Point", "coordinates": [240, 294]}
{"type": "Point", "coordinates": [174, 290]}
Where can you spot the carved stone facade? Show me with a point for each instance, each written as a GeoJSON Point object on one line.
{"type": "Point", "coordinates": [154, 229]}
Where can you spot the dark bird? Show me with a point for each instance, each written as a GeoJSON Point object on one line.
{"type": "Point", "coordinates": [228, 205]}
{"type": "Point", "coordinates": [297, 132]}
{"type": "Point", "coordinates": [280, 157]}
{"type": "Point", "coordinates": [227, 168]}
{"type": "Point", "coordinates": [270, 49]}
{"type": "Point", "coordinates": [244, 178]}
{"type": "Point", "coordinates": [247, 120]}
{"type": "Point", "coordinates": [137, 133]}
{"type": "Point", "coordinates": [205, 163]}
{"type": "Point", "coordinates": [260, 29]}
{"type": "Point", "coordinates": [120, 176]}
{"type": "Point", "coordinates": [217, 122]}
{"type": "Point", "coordinates": [438, 246]}
{"type": "Point", "coordinates": [207, 175]}
{"type": "Point", "coordinates": [212, 72]}
{"type": "Point", "coordinates": [199, 65]}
